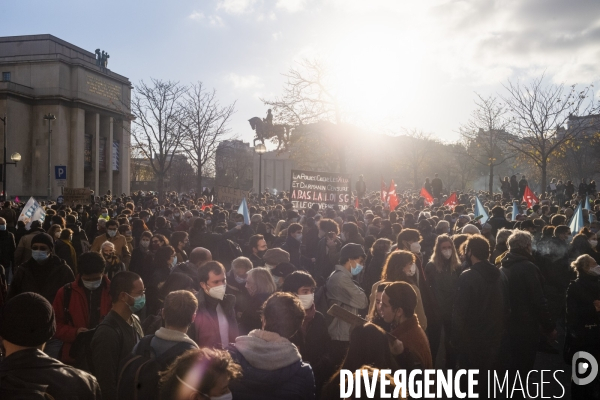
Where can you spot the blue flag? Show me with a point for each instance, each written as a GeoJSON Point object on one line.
{"type": "Point", "coordinates": [243, 210]}
{"type": "Point", "coordinates": [479, 210]}
{"type": "Point", "coordinates": [589, 208]}
{"type": "Point", "coordinates": [577, 221]}
{"type": "Point", "coordinates": [515, 210]}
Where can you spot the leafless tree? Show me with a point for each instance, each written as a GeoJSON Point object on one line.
{"type": "Point", "coordinates": [417, 148]}
{"type": "Point", "coordinates": [483, 134]}
{"type": "Point", "coordinates": [205, 124]}
{"type": "Point", "coordinates": [157, 129]}
{"type": "Point", "coordinates": [542, 116]}
{"type": "Point", "coordinates": [308, 97]}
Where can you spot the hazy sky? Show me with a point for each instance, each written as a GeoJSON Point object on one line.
{"type": "Point", "coordinates": [398, 63]}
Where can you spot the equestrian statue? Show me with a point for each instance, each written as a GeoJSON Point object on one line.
{"type": "Point", "coordinates": [266, 130]}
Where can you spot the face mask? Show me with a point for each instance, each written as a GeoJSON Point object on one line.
{"type": "Point", "coordinates": [447, 253]}
{"type": "Point", "coordinates": [176, 215]}
{"type": "Point", "coordinates": [92, 285]}
{"type": "Point", "coordinates": [276, 279]}
{"type": "Point", "coordinates": [146, 219]}
{"type": "Point", "coordinates": [174, 263]}
{"type": "Point", "coordinates": [594, 243]}
{"type": "Point", "coordinates": [217, 292]}
{"type": "Point", "coordinates": [270, 267]}
{"type": "Point", "coordinates": [105, 215]}
{"type": "Point", "coordinates": [240, 280]}
{"type": "Point", "coordinates": [111, 233]}
{"type": "Point", "coordinates": [261, 253]}
{"type": "Point", "coordinates": [39, 255]}
{"type": "Point", "coordinates": [415, 247]}
{"type": "Point", "coordinates": [145, 243]}
{"type": "Point", "coordinates": [2, 227]}
{"type": "Point", "coordinates": [356, 269]}
{"type": "Point", "coordinates": [307, 300]}
{"type": "Point", "coordinates": [343, 237]}
{"type": "Point", "coordinates": [57, 235]}
{"type": "Point", "coordinates": [138, 303]}
{"type": "Point", "coordinates": [294, 219]}
{"type": "Point", "coordinates": [208, 222]}
{"type": "Point", "coordinates": [239, 223]}
{"type": "Point", "coordinates": [413, 270]}
{"type": "Point", "coordinates": [128, 233]}
{"type": "Point", "coordinates": [299, 237]}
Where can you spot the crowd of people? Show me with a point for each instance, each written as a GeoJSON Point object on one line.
{"type": "Point", "coordinates": [181, 297]}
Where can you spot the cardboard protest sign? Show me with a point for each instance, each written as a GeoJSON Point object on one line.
{"type": "Point", "coordinates": [323, 188]}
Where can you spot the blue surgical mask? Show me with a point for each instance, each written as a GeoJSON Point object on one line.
{"type": "Point", "coordinates": [239, 280]}
{"type": "Point", "coordinates": [174, 263]}
{"type": "Point", "coordinates": [299, 237]}
{"type": "Point", "coordinates": [2, 227]}
{"type": "Point", "coordinates": [139, 303]}
{"type": "Point", "coordinates": [39, 255]}
{"type": "Point", "coordinates": [356, 269]}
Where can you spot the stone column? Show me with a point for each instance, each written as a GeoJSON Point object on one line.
{"type": "Point", "coordinates": [109, 156]}
{"type": "Point", "coordinates": [75, 175]}
{"type": "Point", "coordinates": [124, 165]}
{"type": "Point", "coordinates": [97, 156]}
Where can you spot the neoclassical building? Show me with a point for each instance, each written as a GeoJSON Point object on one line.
{"type": "Point", "coordinates": [40, 75]}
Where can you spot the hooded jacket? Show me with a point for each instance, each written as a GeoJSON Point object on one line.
{"type": "Point", "coordinates": [272, 368]}
{"type": "Point", "coordinates": [23, 250]}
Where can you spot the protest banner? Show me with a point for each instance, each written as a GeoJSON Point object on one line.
{"type": "Point", "coordinates": [32, 211]}
{"type": "Point", "coordinates": [231, 195]}
{"type": "Point", "coordinates": [322, 188]}
{"type": "Point", "coordinates": [77, 195]}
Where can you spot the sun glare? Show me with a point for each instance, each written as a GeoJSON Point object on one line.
{"type": "Point", "coordinates": [376, 72]}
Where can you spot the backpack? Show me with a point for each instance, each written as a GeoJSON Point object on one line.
{"type": "Point", "coordinates": [139, 375]}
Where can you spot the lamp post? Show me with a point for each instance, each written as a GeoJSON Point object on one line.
{"type": "Point", "coordinates": [15, 157]}
{"type": "Point", "coordinates": [49, 117]}
{"type": "Point", "coordinates": [260, 149]}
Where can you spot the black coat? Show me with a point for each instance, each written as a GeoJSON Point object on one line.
{"type": "Point", "coordinates": [7, 249]}
{"type": "Point", "coordinates": [373, 271]}
{"type": "Point", "coordinates": [43, 279]}
{"type": "Point", "coordinates": [529, 308]}
{"type": "Point", "coordinates": [31, 368]}
{"type": "Point", "coordinates": [583, 321]}
{"type": "Point", "coordinates": [479, 316]}
{"type": "Point", "coordinates": [250, 318]}
{"type": "Point", "coordinates": [78, 236]}
{"type": "Point", "coordinates": [292, 246]}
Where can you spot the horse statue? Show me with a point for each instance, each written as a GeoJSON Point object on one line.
{"type": "Point", "coordinates": [268, 131]}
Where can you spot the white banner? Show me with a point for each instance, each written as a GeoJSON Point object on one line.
{"type": "Point", "coordinates": [32, 211]}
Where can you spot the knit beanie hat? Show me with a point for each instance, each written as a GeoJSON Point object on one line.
{"type": "Point", "coordinates": [27, 320]}
{"type": "Point", "coordinates": [43, 238]}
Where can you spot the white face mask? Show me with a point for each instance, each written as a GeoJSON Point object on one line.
{"type": "Point", "coordinates": [92, 285]}
{"type": "Point", "coordinates": [217, 292]}
{"type": "Point", "coordinates": [595, 270]}
{"type": "Point", "coordinates": [413, 270]}
{"type": "Point", "coordinates": [270, 267]}
{"type": "Point", "coordinates": [307, 300]}
{"type": "Point", "coordinates": [447, 253]}
{"type": "Point", "coordinates": [415, 247]}
{"type": "Point", "coordinates": [594, 243]}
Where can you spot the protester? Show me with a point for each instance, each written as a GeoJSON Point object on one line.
{"type": "Point", "coordinates": [236, 283]}
{"type": "Point", "coordinates": [180, 241]}
{"type": "Point", "coordinates": [7, 247]}
{"type": "Point", "coordinates": [118, 240]}
{"type": "Point", "coordinates": [341, 290]}
{"type": "Point", "coordinates": [119, 332]}
{"type": "Point", "coordinates": [258, 247]}
{"type": "Point", "coordinates": [198, 257]}
{"type": "Point", "coordinates": [215, 324]}
{"type": "Point", "coordinates": [260, 286]}
{"type": "Point", "coordinates": [23, 250]}
{"type": "Point", "coordinates": [26, 372]}
{"type": "Point", "coordinates": [141, 257]}
{"type": "Point", "coordinates": [272, 367]}
{"type": "Point", "coordinates": [112, 260]}
{"type": "Point", "coordinates": [82, 304]}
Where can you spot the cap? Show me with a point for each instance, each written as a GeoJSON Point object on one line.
{"type": "Point", "coordinates": [37, 328]}
{"type": "Point", "coordinates": [470, 229]}
{"type": "Point", "coordinates": [43, 238]}
{"type": "Point", "coordinates": [283, 269]}
{"type": "Point", "coordinates": [276, 256]}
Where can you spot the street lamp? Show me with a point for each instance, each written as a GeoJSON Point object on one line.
{"type": "Point", "coordinates": [260, 149]}
{"type": "Point", "coordinates": [15, 157]}
{"type": "Point", "coordinates": [49, 117]}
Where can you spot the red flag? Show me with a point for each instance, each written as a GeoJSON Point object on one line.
{"type": "Point", "coordinates": [383, 191]}
{"type": "Point", "coordinates": [205, 206]}
{"type": "Point", "coordinates": [393, 199]}
{"type": "Point", "coordinates": [530, 198]}
{"type": "Point", "coordinates": [452, 201]}
{"type": "Point", "coordinates": [428, 198]}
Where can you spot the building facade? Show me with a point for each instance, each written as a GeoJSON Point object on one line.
{"type": "Point", "coordinates": [42, 75]}
{"type": "Point", "coordinates": [276, 172]}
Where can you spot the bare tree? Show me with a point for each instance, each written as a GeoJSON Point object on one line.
{"type": "Point", "coordinates": [308, 97]}
{"type": "Point", "coordinates": [205, 124]}
{"type": "Point", "coordinates": [157, 129]}
{"type": "Point", "coordinates": [540, 119]}
{"type": "Point", "coordinates": [417, 149]}
{"type": "Point", "coordinates": [483, 134]}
